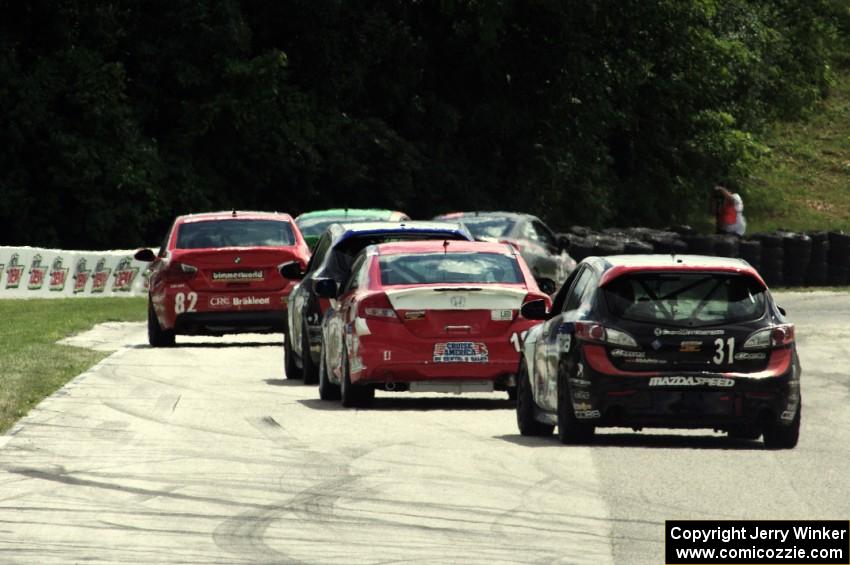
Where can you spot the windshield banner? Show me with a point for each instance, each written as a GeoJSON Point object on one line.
{"type": "Point", "coordinates": [33, 272]}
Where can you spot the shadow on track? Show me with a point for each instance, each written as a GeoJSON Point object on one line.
{"type": "Point", "coordinates": [637, 439]}
{"type": "Point", "coordinates": [211, 345]}
{"type": "Point", "coordinates": [402, 404]}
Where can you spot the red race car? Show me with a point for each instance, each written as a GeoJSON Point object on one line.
{"type": "Point", "coordinates": [426, 316]}
{"type": "Point", "coordinates": [218, 273]}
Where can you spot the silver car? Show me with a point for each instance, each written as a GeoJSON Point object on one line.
{"type": "Point", "coordinates": [543, 250]}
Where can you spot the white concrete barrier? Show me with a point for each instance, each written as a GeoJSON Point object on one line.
{"type": "Point", "coordinates": [34, 272]}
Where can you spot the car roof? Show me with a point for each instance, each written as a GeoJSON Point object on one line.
{"type": "Point", "coordinates": [437, 246]}
{"type": "Point", "coordinates": [341, 213]}
{"type": "Point", "coordinates": [233, 215]}
{"type": "Point", "coordinates": [484, 214]}
{"type": "Point", "coordinates": [341, 232]}
{"type": "Point", "coordinates": [615, 266]}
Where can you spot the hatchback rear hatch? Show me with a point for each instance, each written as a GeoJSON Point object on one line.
{"type": "Point", "coordinates": [685, 321]}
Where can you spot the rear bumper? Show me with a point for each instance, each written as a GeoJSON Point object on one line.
{"type": "Point", "coordinates": [686, 400]}
{"type": "Point", "coordinates": [407, 359]}
{"type": "Point", "coordinates": [191, 312]}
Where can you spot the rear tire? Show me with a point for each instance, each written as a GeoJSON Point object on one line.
{"type": "Point", "coordinates": [290, 369]}
{"type": "Point", "coordinates": [327, 389]}
{"type": "Point", "coordinates": [527, 424]}
{"type": "Point", "coordinates": [309, 372]}
{"type": "Point", "coordinates": [352, 395]}
{"type": "Point", "coordinates": [158, 337]}
{"type": "Point", "coordinates": [570, 429]}
{"type": "Point", "coordinates": [777, 436]}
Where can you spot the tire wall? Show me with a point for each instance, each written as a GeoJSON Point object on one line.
{"type": "Point", "coordinates": [783, 258]}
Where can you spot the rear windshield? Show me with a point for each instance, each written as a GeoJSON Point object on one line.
{"type": "Point", "coordinates": [686, 299]}
{"type": "Point", "coordinates": [488, 226]}
{"type": "Point", "coordinates": [235, 233]}
{"type": "Point", "coordinates": [435, 268]}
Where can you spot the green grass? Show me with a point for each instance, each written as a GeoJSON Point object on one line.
{"type": "Point", "coordinates": [32, 364]}
{"type": "Point", "coordinates": [804, 183]}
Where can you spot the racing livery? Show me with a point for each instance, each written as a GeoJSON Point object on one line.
{"type": "Point", "coordinates": [429, 316]}
{"type": "Point", "coordinates": [669, 341]}
{"type": "Point", "coordinates": [332, 258]}
{"type": "Point", "coordinates": [543, 250]}
{"type": "Point", "coordinates": [218, 273]}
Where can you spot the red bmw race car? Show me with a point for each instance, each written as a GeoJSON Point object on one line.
{"type": "Point", "coordinates": [218, 273]}
{"type": "Point", "coordinates": [426, 316]}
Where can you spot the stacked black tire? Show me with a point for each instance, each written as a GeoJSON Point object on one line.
{"type": "Point", "coordinates": [838, 257]}
{"type": "Point", "coordinates": [797, 254]}
{"type": "Point", "coordinates": [783, 258]}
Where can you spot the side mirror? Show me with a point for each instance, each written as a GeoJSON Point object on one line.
{"type": "Point", "coordinates": [534, 310]}
{"type": "Point", "coordinates": [325, 288]}
{"type": "Point", "coordinates": [145, 255]}
{"type": "Point", "coordinates": [291, 270]}
{"type": "Point", "coordinates": [547, 285]}
{"type": "Point", "coordinates": [781, 310]}
{"type": "Point", "coordinates": [564, 243]}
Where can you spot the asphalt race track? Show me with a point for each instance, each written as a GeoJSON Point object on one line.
{"type": "Point", "coordinates": [204, 454]}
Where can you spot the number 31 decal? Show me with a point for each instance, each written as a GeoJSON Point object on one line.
{"type": "Point", "coordinates": [721, 353]}
{"type": "Point", "coordinates": [181, 305]}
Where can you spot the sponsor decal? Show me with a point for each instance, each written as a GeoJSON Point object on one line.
{"type": "Point", "coordinates": [582, 406]}
{"type": "Point", "coordinates": [414, 315]}
{"type": "Point", "coordinates": [457, 301]}
{"type": "Point", "coordinates": [251, 301]}
{"type": "Point", "coordinates": [746, 356]}
{"type": "Point", "coordinates": [125, 274]}
{"type": "Point", "coordinates": [720, 382]}
{"type": "Point", "coordinates": [58, 275]}
{"type": "Point", "coordinates": [581, 394]}
{"type": "Point", "coordinates": [587, 414]}
{"type": "Point", "coordinates": [624, 353]}
{"type": "Point", "coordinates": [565, 342]}
{"type": "Point", "coordinates": [37, 274]}
{"type": "Point", "coordinates": [226, 276]}
{"type": "Point", "coordinates": [788, 415]}
{"type": "Point", "coordinates": [81, 276]}
{"type": "Point", "coordinates": [648, 361]}
{"type": "Point", "coordinates": [656, 345]}
{"type": "Point", "coordinates": [220, 302]}
{"type": "Point", "coordinates": [388, 355]}
{"type": "Point", "coordinates": [687, 331]}
{"type": "Point", "coordinates": [501, 315]}
{"type": "Point", "coordinates": [580, 382]}
{"type": "Point", "coordinates": [580, 370]}
{"type": "Point", "coordinates": [14, 272]}
{"type": "Point", "coordinates": [100, 276]}
{"type": "Point", "coordinates": [461, 352]}
{"type": "Point", "coordinates": [690, 346]}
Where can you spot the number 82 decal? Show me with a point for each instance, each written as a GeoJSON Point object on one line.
{"type": "Point", "coordinates": [185, 302]}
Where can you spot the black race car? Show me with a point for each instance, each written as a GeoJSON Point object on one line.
{"type": "Point", "coordinates": [670, 341]}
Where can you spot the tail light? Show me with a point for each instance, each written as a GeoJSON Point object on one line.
{"type": "Point", "coordinates": [377, 307]}
{"type": "Point", "coordinates": [177, 271]}
{"type": "Point", "coordinates": [776, 336]}
{"type": "Point", "coordinates": [597, 333]}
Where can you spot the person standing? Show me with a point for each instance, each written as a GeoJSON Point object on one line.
{"type": "Point", "coordinates": [730, 212]}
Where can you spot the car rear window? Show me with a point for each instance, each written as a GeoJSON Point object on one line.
{"type": "Point", "coordinates": [488, 227]}
{"type": "Point", "coordinates": [235, 233]}
{"type": "Point", "coordinates": [435, 268]}
{"type": "Point", "coordinates": [686, 299]}
{"type": "Point", "coordinates": [317, 226]}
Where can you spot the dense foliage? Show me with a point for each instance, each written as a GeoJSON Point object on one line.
{"type": "Point", "coordinates": [115, 116]}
